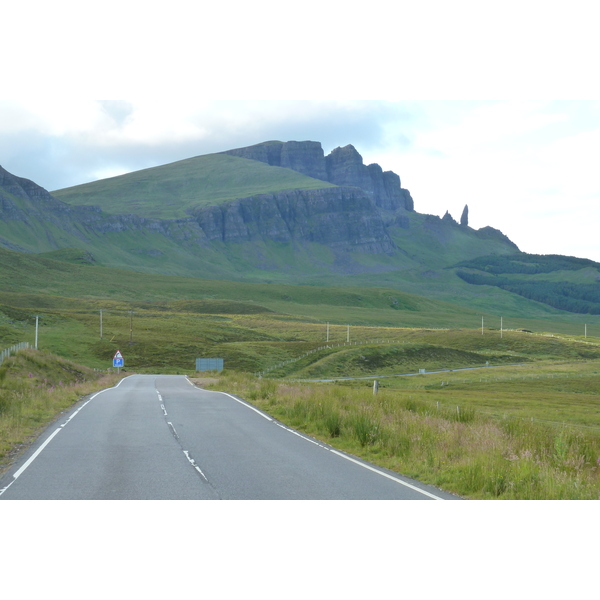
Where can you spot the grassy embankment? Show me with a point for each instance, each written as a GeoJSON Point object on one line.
{"type": "Point", "coordinates": [35, 388]}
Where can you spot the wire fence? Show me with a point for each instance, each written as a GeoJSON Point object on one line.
{"type": "Point", "coordinates": [6, 353]}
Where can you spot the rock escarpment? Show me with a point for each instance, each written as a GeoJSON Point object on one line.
{"type": "Point", "coordinates": [343, 167]}
{"type": "Point", "coordinates": [305, 157]}
{"type": "Point", "coordinates": [342, 218]}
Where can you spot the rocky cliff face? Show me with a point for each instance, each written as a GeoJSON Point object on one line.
{"type": "Point", "coordinates": [341, 218]}
{"type": "Point", "coordinates": [305, 157]}
{"type": "Point", "coordinates": [344, 219]}
{"type": "Point", "coordinates": [343, 166]}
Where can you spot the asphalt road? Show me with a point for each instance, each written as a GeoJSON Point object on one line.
{"type": "Point", "coordinates": [160, 437]}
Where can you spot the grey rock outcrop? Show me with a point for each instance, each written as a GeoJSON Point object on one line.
{"type": "Point", "coordinates": [341, 218]}
{"type": "Point", "coordinates": [307, 157]}
{"type": "Point", "coordinates": [448, 218]}
{"type": "Point", "coordinates": [343, 167]}
{"type": "Point", "coordinates": [464, 219]}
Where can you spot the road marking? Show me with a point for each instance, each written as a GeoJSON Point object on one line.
{"type": "Point", "coordinates": [31, 459]}
{"type": "Point", "coordinates": [173, 428]}
{"type": "Point", "coordinates": [77, 411]}
{"type": "Point", "coordinates": [164, 409]}
{"type": "Point", "coordinates": [262, 414]}
{"type": "Point", "coordinates": [408, 485]}
{"type": "Point", "coordinates": [300, 435]}
{"type": "Point", "coordinates": [193, 463]}
{"type": "Point", "coordinates": [36, 453]}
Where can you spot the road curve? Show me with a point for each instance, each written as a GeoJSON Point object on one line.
{"type": "Point", "coordinates": [159, 437]}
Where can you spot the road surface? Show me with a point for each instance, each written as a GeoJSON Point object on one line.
{"type": "Point", "coordinates": [160, 437]}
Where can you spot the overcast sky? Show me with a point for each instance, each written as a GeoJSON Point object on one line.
{"type": "Point", "coordinates": [525, 163]}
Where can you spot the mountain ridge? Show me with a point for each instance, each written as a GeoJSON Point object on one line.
{"type": "Point", "coordinates": [357, 226]}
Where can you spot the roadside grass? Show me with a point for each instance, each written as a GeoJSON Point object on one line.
{"type": "Point", "coordinates": [455, 447]}
{"type": "Point", "coordinates": [35, 387]}
{"type": "Point", "coordinates": [553, 392]}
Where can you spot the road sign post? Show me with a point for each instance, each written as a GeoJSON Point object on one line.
{"type": "Point", "coordinates": [118, 361]}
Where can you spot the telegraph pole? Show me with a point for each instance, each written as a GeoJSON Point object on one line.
{"type": "Point", "coordinates": [37, 321]}
{"type": "Point", "coordinates": [100, 324]}
{"type": "Point", "coordinates": [130, 327]}
{"type": "Point", "coordinates": [327, 331]}
{"type": "Point", "coordinates": [348, 334]}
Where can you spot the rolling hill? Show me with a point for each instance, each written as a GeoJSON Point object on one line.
{"type": "Point", "coordinates": [279, 213]}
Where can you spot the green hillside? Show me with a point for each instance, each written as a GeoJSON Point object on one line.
{"type": "Point", "coordinates": [563, 282]}
{"type": "Point", "coordinates": [167, 191]}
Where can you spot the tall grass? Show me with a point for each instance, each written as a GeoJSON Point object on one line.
{"type": "Point", "coordinates": [462, 451]}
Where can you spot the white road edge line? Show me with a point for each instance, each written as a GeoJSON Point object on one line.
{"type": "Point", "coordinates": [361, 464]}
{"type": "Point", "coordinates": [35, 454]}
{"type": "Point", "coordinates": [300, 435]}
{"type": "Point", "coordinates": [262, 414]}
{"type": "Point", "coordinates": [39, 450]}
{"type": "Point", "coordinates": [75, 413]}
{"type": "Point", "coordinates": [408, 485]}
